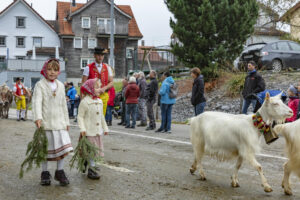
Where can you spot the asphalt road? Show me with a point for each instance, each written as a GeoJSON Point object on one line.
{"type": "Point", "coordinates": [139, 165]}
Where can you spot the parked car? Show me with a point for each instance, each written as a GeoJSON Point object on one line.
{"type": "Point", "coordinates": [274, 56]}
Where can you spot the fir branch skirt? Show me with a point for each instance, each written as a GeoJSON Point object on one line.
{"type": "Point", "coordinates": [98, 142]}
{"type": "Point", "coordinates": [59, 145]}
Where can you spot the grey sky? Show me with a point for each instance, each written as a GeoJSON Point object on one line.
{"type": "Point", "coordinates": [152, 16]}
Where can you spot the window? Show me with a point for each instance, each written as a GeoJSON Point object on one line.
{"type": "Point", "coordinates": [20, 57]}
{"type": "Point", "coordinates": [37, 41]}
{"type": "Point", "coordinates": [104, 25]}
{"type": "Point", "coordinates": [129, 52]}
{"type": "Point", "coordinates": [92, 43]}
{"type": "Point", "coordinates": [15, 79]}
{"type": "Point", "coordinates": [86, 61]}
{"type": "Point", "coordinates": [283, 46]}
{"type": "Point", "coordinates": [20, 22]}
{"type": "Point", "coordinates": [274, 46]}
{"type": "Point", "coordinates": [77, 43]}
{"type": "Point", "coordinates": [21, 42]}
{"type": "Point", "coordinates": [295, 47]}
{"type": "Point", "coordinates": [2, 41]}
{"type": "Point", "coordinates": [2, 59]}
{"type": "Point", "coordinates": [86, 22]}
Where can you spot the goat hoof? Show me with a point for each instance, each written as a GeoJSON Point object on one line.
{"type": "Point", "coordinates": [288, 192]}
{"type": "Point", "coordinates": [235, 185]}
{"type": "Point", "coordinates": [192, 170]}
{"type": "Point", "coordinates": [268, 189]}
{"type": "Point", "coordinates": [202, 178]}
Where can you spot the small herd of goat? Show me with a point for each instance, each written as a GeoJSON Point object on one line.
{"type": "Point", "coordinates": [226, 136]}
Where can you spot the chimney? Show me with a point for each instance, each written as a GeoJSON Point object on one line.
{"type": "Point", "coordinates": [74, 3]}
{"type": "Point", "coordinates": [143, 42]}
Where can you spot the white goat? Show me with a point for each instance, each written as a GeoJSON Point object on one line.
{"type": "Point", "coordinates": [291, 133]}
{"type": "Point", "coordinates": [226, 136]}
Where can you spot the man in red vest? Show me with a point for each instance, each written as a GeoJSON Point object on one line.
{"type": "Point", "coordinates": [19, 93]}
{"type": "Point", "coordinates": [100, 70]}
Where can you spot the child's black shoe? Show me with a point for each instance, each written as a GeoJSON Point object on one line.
{"type": "Point", "coordinates": [93, 175]}
{"type": "Point", "coordinates": [45, 178]}
{"type": "Point", "coordinates": [61, 177]}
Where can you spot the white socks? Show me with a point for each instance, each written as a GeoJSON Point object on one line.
{"type": "Point", "coordinates": [92, 162]}
{"type": "Point", "coordinates": [45, 166]}
{"type": "Point", "coordinates": [18, 114]}
{"type": "Point", "coordinates": [60, 165]}
{"type": "Point", "coordinates": [23, 114]}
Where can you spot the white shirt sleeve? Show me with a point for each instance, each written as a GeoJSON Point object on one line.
{"type": "Point", "coordinates": [15, 89]}
{"type": "Point", "coordinates": [86, 71]}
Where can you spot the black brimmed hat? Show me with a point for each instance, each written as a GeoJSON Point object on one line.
{"type": "Point", "coordinates": [99, 50]}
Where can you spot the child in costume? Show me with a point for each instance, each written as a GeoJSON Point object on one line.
{"type": "Point", "coordinates": [91, 120]}
{"type": "Point", "coordinates": [50, 111]}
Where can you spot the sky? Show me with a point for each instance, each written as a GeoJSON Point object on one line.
{"type": "Point", "coordinates": [152, 16]}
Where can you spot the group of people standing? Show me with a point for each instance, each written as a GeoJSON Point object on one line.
{"type": "Point", "coordinates": [139, 97]}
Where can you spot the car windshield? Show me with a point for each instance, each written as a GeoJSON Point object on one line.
{"type": "Point", "coordinates": [254, 46]}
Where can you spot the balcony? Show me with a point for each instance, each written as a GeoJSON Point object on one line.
{"type": "Point", "coordinates": [120, 29]}
{"type": "Point", "coordinates": [26, 65]}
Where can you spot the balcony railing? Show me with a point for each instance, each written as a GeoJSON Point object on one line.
{"type": "Point", "coordinates": [119, 29]}
{"type": "Point", "coordinates": [28, 65]}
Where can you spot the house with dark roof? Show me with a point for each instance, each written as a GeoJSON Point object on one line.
{"type": "Point", "coordinates": [292, 17]}
{"type": "Point", "coordinates": [82, 27]}
{"type": "Point", "coordinates": [26, 41]}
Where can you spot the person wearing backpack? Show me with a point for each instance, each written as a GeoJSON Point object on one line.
{"type": "Point", "coordinates": [198, 100]}
{"type": "Point", "coordinates": [168, 92]}
{"type": "Point", "coordinates": [293, 103]}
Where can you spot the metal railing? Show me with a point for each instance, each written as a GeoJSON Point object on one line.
{"type": "Point", "coordinates": [119, 29]}
{"type": "Point", "coordinates": [29, 65]}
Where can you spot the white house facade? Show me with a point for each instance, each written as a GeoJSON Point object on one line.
{"type": "Point", "coordinates": [22, 29]}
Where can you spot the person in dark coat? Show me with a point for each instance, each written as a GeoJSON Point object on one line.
{"type": "Point", "coordinates": [151, 91]}
{"type": "Point", "coordinates": [132, 94]}
{"type": "Point", "coordinates": [198, 100]}
{"type": "Point", "coordinates": [254, 84]}
{"type": "Point", "coordinates": [123, 103]}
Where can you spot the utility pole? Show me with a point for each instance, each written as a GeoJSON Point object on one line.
{"type": "Point", "coordinates": [112, 32]}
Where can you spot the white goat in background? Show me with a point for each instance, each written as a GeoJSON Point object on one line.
{"type": "Point", "coordinates": [291, 133]}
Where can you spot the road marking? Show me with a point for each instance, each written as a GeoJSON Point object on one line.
{"type": "Point", "coordinates": [118, 169]}
{"type": "Point", "coordinates": [181, 142]}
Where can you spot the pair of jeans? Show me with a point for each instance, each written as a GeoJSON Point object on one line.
{"type": "Point", "coordinates": [108, 116]}
{"type": "Point", "coordinates": [166, 116]}
{"type": "Point", "coordinates": [246, 104]}
{"type": "Point", "coordinates": [150, 113]}
{"type": "Point", "coordinates": [131, 112]}
{"type": "Point", "coordinates": [199, 108]}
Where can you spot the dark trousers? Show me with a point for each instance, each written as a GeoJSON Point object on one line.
{"type": "Point", "coordinates": [108, 115]}
{"type": "Point", "coordinates": [131, 110]}
{"type": "Point", "coordinates": [150, 113]}
{"type": "Point", "coordinates": [71, 111]}
{"type": "Point", "coordinates": [123, 113]}
{"type": "Point", "coordinates": [166, 116]}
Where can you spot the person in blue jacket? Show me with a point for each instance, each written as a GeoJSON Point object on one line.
{"type": "Point", "coordinates": [166, 103]}
{"type": "Point", "coordinates": [72, 96]}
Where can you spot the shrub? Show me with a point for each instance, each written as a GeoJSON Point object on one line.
{"type": "Point", "coordinates": [235, 85]}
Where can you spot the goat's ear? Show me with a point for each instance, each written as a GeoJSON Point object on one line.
{"type": "Point", "coordinates": [279, 95]}
{"type": "Point", "coordinates": [267, 98]}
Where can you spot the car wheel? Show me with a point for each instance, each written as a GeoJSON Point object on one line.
{"type": "Point", "coordinates": [276, 66]}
